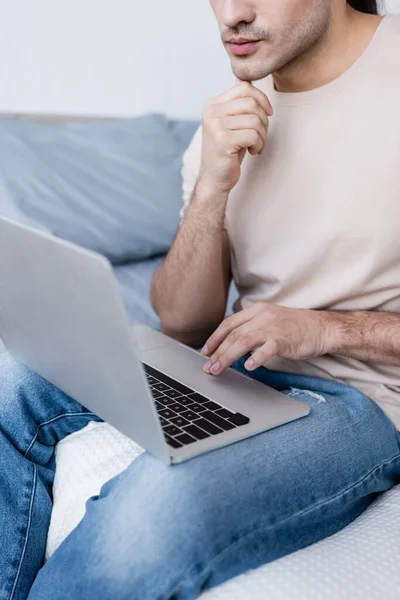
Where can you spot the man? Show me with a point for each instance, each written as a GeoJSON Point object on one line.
{"type": "Point", "coordinates": [291, 188]}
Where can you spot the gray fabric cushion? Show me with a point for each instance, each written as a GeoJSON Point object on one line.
{"type": "Point", "coordinates": [111, 186]}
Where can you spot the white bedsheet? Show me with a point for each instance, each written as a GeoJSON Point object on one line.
{"type": "Point", "coordinates": [360, 562]}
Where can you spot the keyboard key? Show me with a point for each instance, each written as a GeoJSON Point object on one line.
{"type": "Point", "coordinates": [211, 405]}
{"type": "Point", "coordinates": [173, 393]}
{"type": "Point", "coordinates": [207, 426]}
{"type": "Point", "coordinates": [160, 386]}
{"type": "Point", "coordinates": [163, 422]}
{"type": "Point", "coordinates": [196, 432]}
{"type": "Point", "coordinates": [172, 430]}
{"type": "Point", "coordinates": [156, 393]}
{"type": "Point", "coordinates": [159, 406]}
{"type": "Point", "coordinates": [151, 380]}
{"type": "Point", "coordinates": [177, 407]}
{"type": "Point", "coordinates": [217, 420]}
{"type": "Point", "coordinates": [172, 442]}
{"type": "Point", "coordinates": [185, 438]}
{"type": "Point", "coordinates": [190, 415]}
{"type": "Point", "coordinates": [183, 389]}
{"type": "Point", "coordinates": [167, 413]}
{"type": "Point", "coordinates": [199, 398]}
{"type": "Point", "coordinates": [224, 413]}
{"type": "Point", "coordinates": [185, 400]}
{"type": "Point", "coordinates": [179, 421]}
{"type": "Point", "coordinates": [239, 419]}
{"type": "Point", "coordinates": [165, 401]}
{"type": "Point", "coordinates": [197, 408]}
{"type": "Point", "coordinates": [176, 385]}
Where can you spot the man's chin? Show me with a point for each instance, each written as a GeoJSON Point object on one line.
{"type": "Point", "coordinates": [251, 74]}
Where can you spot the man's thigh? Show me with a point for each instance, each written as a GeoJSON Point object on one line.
{"type": "Point", "coordinates": [187, 527]}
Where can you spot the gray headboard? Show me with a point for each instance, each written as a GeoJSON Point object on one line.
{"type": "Point", "coordinates": [51, 118]}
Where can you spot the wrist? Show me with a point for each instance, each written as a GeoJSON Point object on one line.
{"type": "Point", "coordinates": [209, 203]}
{"type": "Point", "coordinates": [341, 331]}
{"type": "Point", "coordinates": [209, 188]}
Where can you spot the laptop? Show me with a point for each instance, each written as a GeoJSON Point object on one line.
{"type": "Point", "coordinates": [62, 315]}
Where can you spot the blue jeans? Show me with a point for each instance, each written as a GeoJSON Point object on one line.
{"type": "Point", "coordinates": [158, 532]}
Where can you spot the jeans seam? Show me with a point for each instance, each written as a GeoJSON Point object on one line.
{"type": "Point", "coordinates": [280, 523]}
{"type": "Point", "coordinates": [77, 414]}
{"type": "Point", "coordinates": [28, 528]}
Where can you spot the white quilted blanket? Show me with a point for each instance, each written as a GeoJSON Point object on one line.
{"type": "Point", "coordinates": [360, 562]}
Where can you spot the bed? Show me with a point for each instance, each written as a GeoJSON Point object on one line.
{"type": "Point", "coordinates": [358, 562]}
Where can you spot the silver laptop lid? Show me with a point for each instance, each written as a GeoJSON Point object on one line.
{"type": "Point", "coordinates": [62, 315]}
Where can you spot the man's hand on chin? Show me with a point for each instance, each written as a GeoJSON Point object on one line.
{"type": "Point", "coordinates": [268, 330]}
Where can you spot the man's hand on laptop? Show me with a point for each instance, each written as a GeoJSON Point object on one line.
{"type": "Point", "coordinates": [267, 330]}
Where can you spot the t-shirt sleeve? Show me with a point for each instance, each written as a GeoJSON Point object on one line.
{"type": "Point", "coordinates": [191, 162]}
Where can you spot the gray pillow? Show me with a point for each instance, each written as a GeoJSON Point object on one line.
{"type": "Point", "coordinates": [111, 186]}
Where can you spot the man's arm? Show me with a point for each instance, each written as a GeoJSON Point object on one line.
{"type": "Point", "coordinates": [368, 336]}
{"type": "Point", "coordinates": [190, 289]}
{"type": "Point", "coordinates": [267, 330]}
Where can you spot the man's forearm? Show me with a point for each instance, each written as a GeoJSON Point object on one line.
{"type": "Point", "coordinates": [189, 290]}
{"type": "Point", "coordinates": [367, 336]}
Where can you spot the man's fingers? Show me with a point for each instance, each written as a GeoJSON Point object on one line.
{"type": "Point", "coordinates": [243, 89]}
{"type": "Point", "coordinates": [242, 81]}
{"type": "Point", "coordinates": [248, 138]}
{"type": "Point", "coordinates": [261, 355]}
{"type": "Point", "coordinates": [241, 106]}
{"type": "Point", "coordinates": [240, 341]}
{"type": "Point", "coordinates": [248, 90]}
{"type": "Point", "coordinates": [224, 329]}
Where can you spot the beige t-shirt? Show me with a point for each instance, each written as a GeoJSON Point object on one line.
{"type": "Point", "coordinates": [315, 221]}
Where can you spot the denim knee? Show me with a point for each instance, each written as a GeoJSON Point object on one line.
{"type": "Point", "coordinates": [14, 372]}
{"type": "Point", "coordinates": [29, 401]}
{"type": "Point", "coordinates": [10, 366]}
{"type": "Point", "coordinates": [15, 381]}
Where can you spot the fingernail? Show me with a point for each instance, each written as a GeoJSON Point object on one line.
{"type": "Point", "coordinates": [215, 368]}
{"type": "Point", "coordinates": [207, 366]}
{"type": "Point", "coordinates": [271, 112]}
{"type": "Point", "coordinates": [204, 349]}
{"type": "Point", "coordinates": [249, 364]}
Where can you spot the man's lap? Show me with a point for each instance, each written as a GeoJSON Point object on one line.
{"type": "Point", "coordinates": [157, 531]}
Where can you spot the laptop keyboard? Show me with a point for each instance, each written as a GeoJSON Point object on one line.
{"type": "Point", "coordinates": [185, 415]}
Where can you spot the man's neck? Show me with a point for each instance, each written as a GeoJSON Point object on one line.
{"type": "Point", "coordinates": [348, 35]}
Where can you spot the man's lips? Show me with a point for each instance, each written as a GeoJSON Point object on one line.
{"type": "Point", "coordinates": [243, 47]}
